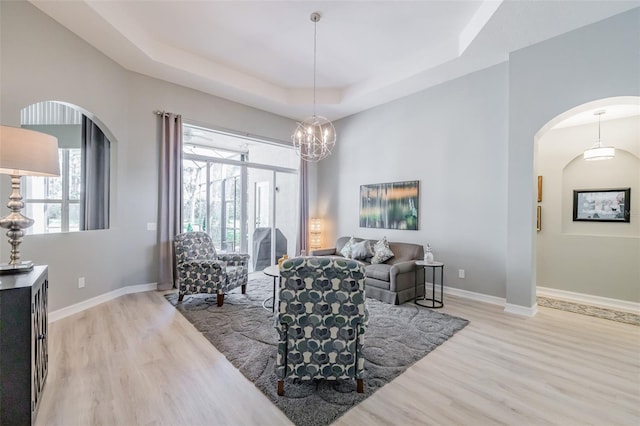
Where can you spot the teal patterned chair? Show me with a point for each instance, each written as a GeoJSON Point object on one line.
{"type": "Point", "coordinates": [321, 321]}
{"type": "Point", "coordinates": [200, 270]}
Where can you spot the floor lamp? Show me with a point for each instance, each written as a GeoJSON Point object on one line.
{"type": "Point", "coordinates": [23, 153]}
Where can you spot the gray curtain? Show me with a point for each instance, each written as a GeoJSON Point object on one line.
{"type": "Point", "coordinates": [170, 197]}
{"type": "Point", "coordinates": [94, 196]}
{"type": "Point", "coordinates": [302, 242]}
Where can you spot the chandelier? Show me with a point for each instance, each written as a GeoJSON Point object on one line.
{"type": "Point", "coordinates": [599, 152]}
{"type": "Point", "coordinates": [315, 137]}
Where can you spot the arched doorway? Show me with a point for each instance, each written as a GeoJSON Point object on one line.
{"type": "Point", "coordinates": [589, 261]}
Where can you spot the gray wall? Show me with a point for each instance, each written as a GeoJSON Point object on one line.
{"type": "Point", "coordinates": [471, 144]}
{"type": "Point", "coordinates": [598, 61]}
{"type": "Point", "coordinates": [586, 257]}
{"type": "Point", "coordinates": [453, 139]}
{"type": "Point", "coordinates": [40, 60]}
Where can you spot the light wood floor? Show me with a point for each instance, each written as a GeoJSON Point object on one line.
{"type": "Point", "coordinates": [137, 361]}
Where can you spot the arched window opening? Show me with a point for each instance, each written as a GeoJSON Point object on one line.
{"type": "Point", "coordinates": [78, 199]}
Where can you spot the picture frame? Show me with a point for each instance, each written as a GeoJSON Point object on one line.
{"type": "Point", "coordinates": [539, 219]}
{"type": "Point", "coordinates": [390, 205]}
{"type": "Point", "coordinates": [602, 205]}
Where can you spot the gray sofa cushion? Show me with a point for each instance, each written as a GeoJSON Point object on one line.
{"type": "Point", "coordinates": [379, 271]}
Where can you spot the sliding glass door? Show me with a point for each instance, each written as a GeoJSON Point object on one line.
{"type": "Point", "coordinates": [246, 206]}
{"type": "Point", "coordinates": [273, 215]}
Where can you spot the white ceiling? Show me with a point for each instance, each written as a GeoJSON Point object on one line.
{"type": "Point", "coordinates": [260, 53]}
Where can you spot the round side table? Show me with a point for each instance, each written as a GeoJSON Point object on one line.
{"type": "Point", "coordinates": [435, 303]}
{"type": "Point", "coordinates": [272, 271]}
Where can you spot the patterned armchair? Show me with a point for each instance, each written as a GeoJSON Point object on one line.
{"type": "Point", "coordinates": [200, 270]}
{"type": "Point", "coordinates": [321, 321]}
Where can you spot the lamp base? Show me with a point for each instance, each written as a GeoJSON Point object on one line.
{"type": "Point", "coordinates": [15, 222]}
{"type": "Point", "coordinates": [16, 268]}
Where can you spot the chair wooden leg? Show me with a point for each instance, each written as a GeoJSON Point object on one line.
{"type": "Point", "coordinates": [244, 289]}
{"type": "Point", "coordinates": [280, 387]}
{"type": "Point", "coordinates": [220, 299]}
{"type": "Point", "coordinates": [360, 385]}
{"type": "Point", "coordinates": [180, 297]}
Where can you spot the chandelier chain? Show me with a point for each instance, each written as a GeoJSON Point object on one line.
{"type": "Point", "coordinates": [599, 152]}
{"type": "Point", "coordinates": [315, 42]}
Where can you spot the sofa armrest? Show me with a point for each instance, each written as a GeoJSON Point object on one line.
{"type": "Point", "coordinates": [400, 268]}
{"type": "Point", "coordinates": [323, 252]}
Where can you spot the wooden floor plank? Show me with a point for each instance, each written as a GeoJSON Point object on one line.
{"type": "Point", "coordinates": [136, 361]}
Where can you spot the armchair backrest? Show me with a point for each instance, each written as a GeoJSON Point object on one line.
{"type": "Point", "coordinates": [322, 319]}
{"type": "Point", "coordinates": [193, 246]}
{"type": "Point", "coordinates": [312, 288]}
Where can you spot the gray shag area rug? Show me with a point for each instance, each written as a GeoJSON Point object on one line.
{"type": "Point", "coordinates": [593, 311]}
{"type": "Point", "coordinates": [397, 337]}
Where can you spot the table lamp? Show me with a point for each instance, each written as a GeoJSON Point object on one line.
{"type": "Point", "coordinates": [23, 153]}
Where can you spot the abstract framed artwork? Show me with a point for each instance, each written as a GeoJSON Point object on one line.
{"type": "Point", "coordinates": [390, 205]}
{"type": "Point", "coordinates": [602, 205]}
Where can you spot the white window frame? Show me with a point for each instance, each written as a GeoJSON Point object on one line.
{"type": "Point", "coordinates": [65, 201]}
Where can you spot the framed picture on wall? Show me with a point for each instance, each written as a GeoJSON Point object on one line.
{"type": "Point", "coordinates": [390, 205]}
{"type": "Point", "coordinates": [602, 205]}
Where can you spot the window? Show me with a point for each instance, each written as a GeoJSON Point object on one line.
{"type": "Point", "coordinates": [54, 202]}
{"type": "Point", "coordinates": [78, 199]}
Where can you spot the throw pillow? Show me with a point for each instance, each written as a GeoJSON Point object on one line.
{"type": "Point", "coordinates": [382, 251]}
{"type": "Point", "coordinates": [346, 250]}
{"type": "Point", "coordinates": [361, 250]}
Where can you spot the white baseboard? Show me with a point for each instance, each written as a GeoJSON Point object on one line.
{"type": "Point", "coordinates": [569, 296]}
{"type": "Point", "coordinates": [469, 295]}
{"type": "Point", "coordinates": [95, 301]}
{"type": "Point", "coordinates": [510, 308]}
{"type": "Point", "coordinates": [587, 299]}
{"type": "Point", "coordinates": [500, 301]}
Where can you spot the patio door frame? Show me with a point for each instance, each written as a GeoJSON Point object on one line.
{"type": "Point", "coordinates": [244, 217]}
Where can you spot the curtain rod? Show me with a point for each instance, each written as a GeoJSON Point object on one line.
{"type": "Point", "coordinates": [232, 132]}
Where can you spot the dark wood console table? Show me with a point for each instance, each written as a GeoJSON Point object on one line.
{"type": "Point", "coordinates": [23, 344]}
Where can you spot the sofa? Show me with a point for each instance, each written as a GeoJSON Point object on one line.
{"type": "Point", "coordinates": [392, 281]}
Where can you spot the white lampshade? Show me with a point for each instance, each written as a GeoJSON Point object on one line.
{"type": "Point", "coordinates": [315, 231]}
{"type": "Point", "coordinates": [315, 225]}
{"type": "Point", "coordinates": [28, 153]}
{"type": "Point", "coordinates": [600, 153]}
